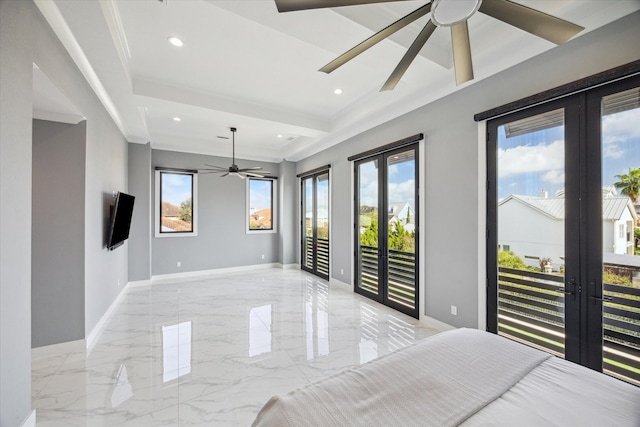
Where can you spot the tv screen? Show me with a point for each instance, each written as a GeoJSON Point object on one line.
{"type": "Point", "coordinates": [120, 220]}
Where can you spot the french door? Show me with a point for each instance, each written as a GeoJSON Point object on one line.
{"type": "Point", "coordinates": [563, 259]}
{"type": "Point", "coordinates": [315, 223]}
{"type": "Point", "coordinates": [386, 213]}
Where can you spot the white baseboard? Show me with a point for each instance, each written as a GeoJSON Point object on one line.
{"type": "Point", "coordinates": [139, 283]}
{"type": "Point", "coordinates": [340, 283]}
{"type": "Point", "coordinates": [294, 266]}
{"type": "Point", "coordinates": [93, 337]}
{"type": "Point", "coordinates": [430, 321]}
{"type": "Point", "coordinates": [60, 348]}
{"type": "Point", "coordinates": [30, 421]}
{"type": "Point", "coordinates": [173, 277]}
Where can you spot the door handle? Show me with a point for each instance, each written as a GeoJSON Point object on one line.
{"type": "Point", "coordinates": [571, 282]}
{"type": "Point", "coordinates": [593, 289]}
{"type": "Point", "coordinates": [603, 298]}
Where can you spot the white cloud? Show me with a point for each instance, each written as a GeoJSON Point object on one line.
{"type": "Point", "coordinates": [612, 151]}
{"type": "Point", "coordinates": [622, 125]}
{"type": "Point", "coordinates": [617, 129]}
{"type": "Point", "coordinates": [555, 176]}
{"type": "Point", "coordinates": [402, 192]}
{"type": "Point", "coordinates": [531, 158]}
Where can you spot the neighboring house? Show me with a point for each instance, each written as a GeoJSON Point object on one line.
{"type": "Point", "coordinates": [403, 212]}
{"type": "Point", "coordinates": [533, 227]}
{"type": "Point", "coordinates": [399, 211]}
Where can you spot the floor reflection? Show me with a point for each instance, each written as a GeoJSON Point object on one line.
{"type": "Point", "coordinates": [122, 389]}
{"type": "Point", "coordinates": [176, 351]}
{"type": "Point", "coordinates": [369, 333]}
{"type": "Point", "coordinates": [260, 330]}
{"type": "Point", "coordinates": [317, 318]}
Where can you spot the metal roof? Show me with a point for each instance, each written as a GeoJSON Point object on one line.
{"type": "Point", "coordinates": [612, 207]}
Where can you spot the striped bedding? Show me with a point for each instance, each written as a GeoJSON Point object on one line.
{"type": "Point", "coordinates": [460, 377]}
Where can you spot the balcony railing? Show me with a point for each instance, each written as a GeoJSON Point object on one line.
{"type": "Point", "coordinates": [531, 310]}
{"type": "Point", "coordinates": [401, 271]}
{"type": "Point", "coordinates": [322, 255]}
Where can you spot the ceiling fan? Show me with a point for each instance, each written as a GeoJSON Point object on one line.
{"type": "Point", "coordinates": [445, 13]}
{"type": "Point", "coordinates": [234, 170]}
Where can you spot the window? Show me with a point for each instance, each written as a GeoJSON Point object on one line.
{"type": "Point", "coordinates": [621, 231]}
{"type": "Point", "coordinates": [261, 212]}
{"type": "Point", "coordinates": [176, 203]}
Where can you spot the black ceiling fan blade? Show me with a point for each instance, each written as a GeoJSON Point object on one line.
{"type": "Point", "coordinates": [462, 61]}
{"type": "Point", "coordinates": [533, 21]}
{"type": "Point", "coordinates": [408, 57]}
{"type": "Point", "coordinates": [224, 174]}
{"type": "Point", "coordinates": [294, 5]}
{"type": "Point", "coordinates": [376, 38]}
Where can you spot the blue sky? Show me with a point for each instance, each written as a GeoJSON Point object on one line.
{"type": "Point", "coordinates": [401, 186]}
{"type": "Point", "coordinates": [260, 194]}
{"type": "Point", "coordinates": [532, 163]}
{"type": "Point", "coordinates": [176, 188]}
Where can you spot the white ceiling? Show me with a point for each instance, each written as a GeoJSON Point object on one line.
{"type": "Point", "coordinates": [243, 64]}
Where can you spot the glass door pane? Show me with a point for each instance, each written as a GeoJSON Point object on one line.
{"type": "Point", "coordinates": [308, 213]}
{"type": "Point", "coordinates": [620, 141]}
{"type": "Point", "coordinates": [315, 224]}
{"type": "Point", "coordinates": [367, 278]}
{"type": "Point", "coordinates": [322, 224]}
{"type": "Point", "coordinates": [401, 222]}
{"type": "Point", "coordinates": [531, 231]}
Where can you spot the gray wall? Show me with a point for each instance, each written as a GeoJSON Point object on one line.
{"type": "Point", "coordinates": [452, 158]}
{"type": "Point", "coordinates": [16, 45]}
{"type": "Point", "coordinates": [142, 220]}
{"type": "Point", "coordinates": [288, 213]}
{"type": "Point", "coordinates": [25, 38]}
{"type": "Point", "coordinates": [221, 241]}
{"type": "Point", "coordinates": [57, 233]}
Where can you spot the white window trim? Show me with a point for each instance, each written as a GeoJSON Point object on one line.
{"type": "Point", "coordinates": [274, 204]}
{"type": "Point", "coordinates": [194, 204]}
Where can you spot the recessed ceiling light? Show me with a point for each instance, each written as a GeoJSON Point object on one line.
{"type": "Point", "coordinates": [177, 119]}
{"type": "Point", "coordinates": [280, 136]}
{"type": "Point", "coordinates": [337, 91]}
{"type": "Point", "coordinates": [175, 41]}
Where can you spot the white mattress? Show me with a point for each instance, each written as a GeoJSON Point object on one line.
{"type": "Point", "coordinates": [461, 377]}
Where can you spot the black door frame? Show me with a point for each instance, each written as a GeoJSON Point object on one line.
{"type": "Point", "coordinates": [572, 205]}
{"type": "Point", "coordinates": [583, 218]}
{"type": "Point", "coordinates": [383, 229]}
{"type": "Point", "coordinates": [313, 175]}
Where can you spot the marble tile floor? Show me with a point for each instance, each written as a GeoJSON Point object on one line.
{"type": "Point", "coordinates": [210, 352]}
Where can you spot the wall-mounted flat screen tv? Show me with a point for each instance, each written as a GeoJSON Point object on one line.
{"type": "Point", "coordinates": [120, 220]}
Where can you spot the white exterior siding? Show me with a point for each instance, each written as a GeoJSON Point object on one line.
{"type": "Point", "coordinates": [534, 228]}
{"type": "Point", "coordinates": [530, 233]}
{"type": "Point", "coordinates": [618, 242]}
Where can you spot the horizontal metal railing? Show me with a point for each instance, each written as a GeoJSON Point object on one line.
{"type": "Point", "coordinates": [531, 310]}
{"type": "Point", "coordinates": [322, 254]}
{"type": "Point", "coordinates": [401, 274]}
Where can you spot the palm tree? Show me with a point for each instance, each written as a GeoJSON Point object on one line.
{"type": "Point", "coordinates": [629, 184]}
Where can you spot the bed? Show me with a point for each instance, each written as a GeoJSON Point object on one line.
{"type": "Point", "coordinates": [462, 377]}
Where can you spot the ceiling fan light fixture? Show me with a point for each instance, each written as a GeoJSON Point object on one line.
{"type": "Point", "coordinates": [447, 13]}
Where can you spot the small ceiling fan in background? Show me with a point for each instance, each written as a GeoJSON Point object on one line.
{"type": "Point", "coordinates": [234, 170]}
{"type": "Point", "coordinates": [445, 13]}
